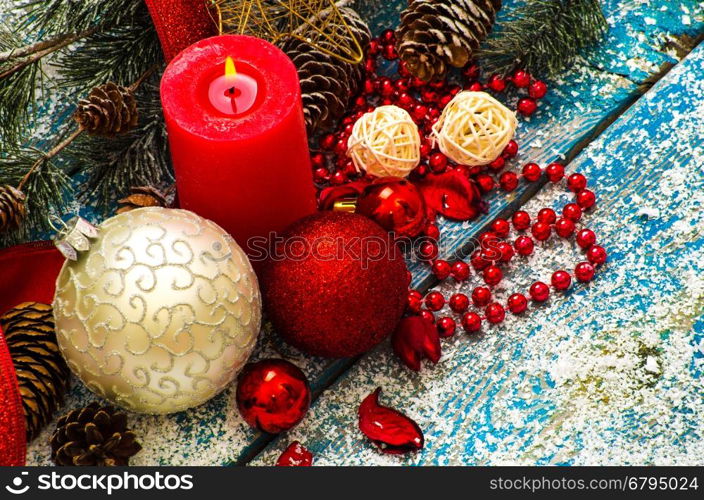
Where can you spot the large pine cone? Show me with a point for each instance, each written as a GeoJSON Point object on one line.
{"type": "Point", "coordinates": [42, 374]}
{"type": "Point", "coordinates": [108, 111]}
{"type": "Point", "coordinates": [93, 435]}
{"type": "Point", "coordinates": [327, 83]}
{"type": "Point", "coordinates": [12, 208]}
{"type": "Point", "coordinates": [436, 34]}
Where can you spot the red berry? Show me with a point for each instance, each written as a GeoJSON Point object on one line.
{"type": "Point", "coordinates": [555, 172]}
{"type": "Point", "coordinates": [547, 215]}
{"type": "Point", "coordinates": [564, 228]}
{"type": "Point", "coordinates": [521, 220]}
{"type": "Point", "coordinates": [498, 164]}
{"type": "Point", "coordinates": [561, 280]}
{"type": "Point", "coordinates": [493, 275]}
{"type": "Point", "coordinates": [586, 198]}
{"type": "Point", "coordinates": [511, 149]}
{"type": "Point", "coordinates": [596, 254]}
{"type": "Point", "coordinates": [389, 52]}
{"type": "Point", "coordinates": [338, 178]}
{"type": "Point", "coordinates": [527, 106]}
{"type": "Point", "coordinates": [341, 147]}
{"type": "Point", "coordinates": [404, 100]}
{"type": "Point", "coordinates": [429, 96]}
{"type": "Point", "coordinates": [419, 112]}
{"type": "Point", "coordinates": [517, 303]}
{"type": "Point", "coordinates": [524, 245]}
{"type": "Point", "coordinates": [428, 316]}
{"type": "Point", "coordinates": [539, 291]}
{"type": "Point", "coordinates": [521, 79]}
{"type": "Point", "coordinates": [432, 231]}
{"type": "Point", "coordinates": [460, 270]}
{"type": "Point", "coordinates": [459, 302]}
{"type": "Point", "coordinates": [370, 66]}
{"type": "Point", "coordinates": [505, 250]}
{"type": "Point", "coordinates": [475, 87]}
{"type": "Point", "coordinates": [327, 142]}
{"type": "Point", "coordinates": [576, 182]}
{"type": "Point", "coordinates": [438, 162]}
{"type": "Point", "coordinates": [428, 250]}
{"type": "Point", "coordinates": [388, 36]}
{"type": "Point", "coordinates": [434, 301]}
{"type": "Point", "coordinates": [441, 269]}
{"type": "Point", "coordinates": [414, 301]}
{"type": "Point", "coordinates": [532, 172]}
{"type": "Point", "coordinates": [586, 238]}
{"type": "Point", "coordinates": [321, 174]}
{"type": "Point", "coordinates": [471, 322]}
{"type": "Point", "coordinates": [584, 272]}
{"type": "Point", "coordinates": [508, 181]}
{"type": "Point", "coordinates": [572, 211]}
{"type": "Point", "coordinates": [373, 47]}
{"type": "Point", "coordinates": [537, 89]}
{"type": "Point", "coordinates": [501, 227]}
{"type": "Point", "coordinates": [317, 160]}
{"type": "Point", "coordinates": [446, 327]}
{"type": "Point", "coordinates": [496, 83]}
{"type": "Point", "coordinates": [487, 239]}
{"type": "Point", "coordinates": [481, 296]}
{"type": "Point", "coordinates": [471, 72]}
{"type": "Point", "coordinates": [541, 231]}
{"type": "Point", "coordinates": [425, 149]}
{"type": "Point", "coordinates": [495, 313]}
{"type": "Point", "coordinates": [485, 182]}
{"type": "Point", "coordinates": [386, 87]}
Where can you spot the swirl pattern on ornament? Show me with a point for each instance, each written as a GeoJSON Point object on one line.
{"type": "Point", "coordinates": [161, 313]}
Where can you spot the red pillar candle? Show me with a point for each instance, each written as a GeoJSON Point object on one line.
{"type": "Point", "coordinates": [237, 135]}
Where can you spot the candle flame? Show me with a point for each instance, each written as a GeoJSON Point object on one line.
{"type": "Point", "coordinates": [230, 70]}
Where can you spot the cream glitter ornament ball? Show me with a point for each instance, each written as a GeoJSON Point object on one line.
{"type": "Point", "coordinates": [160, 313]}
{"type": "Point", "coordinates": [474, 128]}
{"type": "Point", "coordinates": [385, 143]}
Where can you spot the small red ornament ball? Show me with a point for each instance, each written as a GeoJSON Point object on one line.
{"type": "Point", "coordinates": [335, 285]}
{"type": "Point", "coordinates": [272, 395]}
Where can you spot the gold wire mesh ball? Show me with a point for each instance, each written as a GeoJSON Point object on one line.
{"type": "Point", "coordinates": [474, 128]}
{"type": "Point", "coordinates": [385, 143]}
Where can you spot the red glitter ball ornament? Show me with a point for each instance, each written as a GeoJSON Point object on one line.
{"type": "Point", "coordinates": [272, 395]}
{"type": "Point", "coordinates": [395, 204]}
{"type": "Point", "coordinates": [296, 455]}
{"type": "Point", "coordinates": [335, 284]}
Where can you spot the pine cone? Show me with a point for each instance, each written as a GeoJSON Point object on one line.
{"type": "Point", "coordinates": [327, 83]}
{"type": "Point", "coordinates": [435, 34]}
{"type": "Point", "coordinates": [140, 197]}
{"type": "Point", "coordinates": [12, 208]}
{"type": "Point", "coordinates": [42, 374]}
{"type": "Point", "coordinates": [93, 435]}
{"type": "Point", "coordinates": [108, 111]}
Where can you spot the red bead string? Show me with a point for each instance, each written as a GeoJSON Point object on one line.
{"type": "Point", "coordinates": [495, 252]}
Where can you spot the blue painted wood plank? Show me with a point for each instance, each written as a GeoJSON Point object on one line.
{"type": "Point", "coordinates": [577, 104]}
{"type": "Point", "coordinates": [611, 373]}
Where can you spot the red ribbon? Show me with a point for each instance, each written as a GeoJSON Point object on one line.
{"type": "Point", "coordinates": [180, 23]}
{"type": "Point", "coordinates": [27, 273]}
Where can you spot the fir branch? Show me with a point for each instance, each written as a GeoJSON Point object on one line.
{"type": "Point", "coordinates": [62, 16]}
{"type": "Point", "coordinates": [135, 159]}
{"type": "Point", "coordinates": [543, 36]}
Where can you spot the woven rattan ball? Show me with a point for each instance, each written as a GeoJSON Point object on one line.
{"type": "Point", "coordinates": [385, 142]}
{"type": "Point", "coordinates": [474, 128]}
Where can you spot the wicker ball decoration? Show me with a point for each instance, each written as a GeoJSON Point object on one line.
{"type": "Point", "coordinates": [474, 128]}
{"type": "Point", "coordinates": [385, 143]}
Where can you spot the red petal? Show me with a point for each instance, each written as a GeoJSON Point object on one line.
{"type": "Point", "coordinates": [329, 195]}
{"type": "Point", "coordinates": [390, 430]}
{"type": "Point", "coordinates": [416, 338]}
{"type": "Point", "coordinates": [296, 455]}
{"type": "Point", "coordinates": [450, 194]}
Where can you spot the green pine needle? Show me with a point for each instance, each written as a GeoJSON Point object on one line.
{"type": "Point", "coordinates": [543, 36]}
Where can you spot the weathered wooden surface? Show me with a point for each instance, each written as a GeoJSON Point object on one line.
{"type": "Point", "coordinates": [596, 89]}
{"type": "Point", "coordinates": [610, 373]}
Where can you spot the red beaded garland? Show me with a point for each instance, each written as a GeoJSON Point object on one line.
{"type": "Point", "coordinates": [572, 211]}
{"type": "Point", "coordinates": [524, 245]}
{"type": "Point", "coordinates": [547, 215]}
{"type": "Point", "coordinates": [471, 322]}
{"type": "Point", "coordinates": [561, 280]}
{"type": "Point", "coordinates": [441, 269]}
{"type": "Point", "coordinates": [584, 272]}
{"type": "Point", "coordinates": [501, 227]}
{"type": "Point", "coordinates": [541, 231]}
{"type": "Point", "coordinates": [585, 238]}
{"type": "Point", "coordinates": [555, 172]}
{"type": "Point", "coordinates": [532, 172]}
{"type": "Point", "coordinates": [508, 181]}
{"type": "Point", "coordinates": [493, 275]}
{"type": "Point", "coordinates": [446, 327]}
{"type": "Point", "coordinates": [576, 182]}
{"type": "Point", "coordinates": [539, 291]}
{"type": "Point", "coordinates": [434, 301]}
{"type": "Point", "coordinates": [414, 302]}
{"type": "Point", "coordinates": [537, 90]}
{"type": "Point", "coordinates": [521, 220]}
{"type": "Point", "coordinates": [596, 254]}
{"type": "Point", "coordinates": [521, 79]}
{"type": "Point", "coordinates": [481, 296]}
{"type": "Point", "coordinates": [517, 303]}
{"type": "Point", "coordinates": [459, 302]}
{"type": "Point", "coordinates": [460, 270]}
{"type": "Point", "coordinates": [586, 198]}
{"type": "Point", "coordinates": [495, 313]}
{"type": "Point", "coordinates": [564, 228]}
{"type": "Point", "coordinates": [527, 106]}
